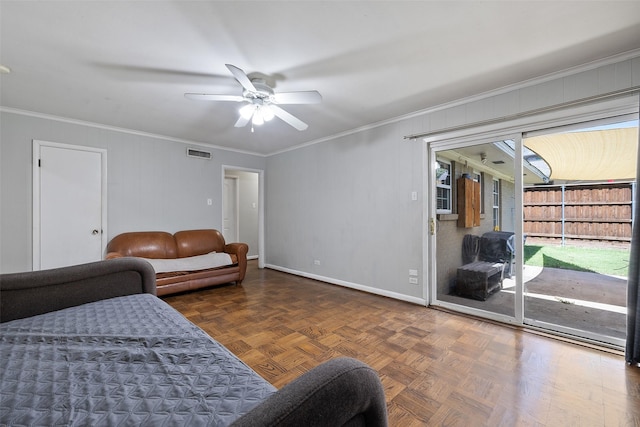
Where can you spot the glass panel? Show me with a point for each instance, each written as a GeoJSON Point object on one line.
{"type": "Point", "coordinates": [475, 246]}
{"type": "Point", "coordinates": [578, 230]}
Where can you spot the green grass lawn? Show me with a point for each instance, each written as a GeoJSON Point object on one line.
{"type": "Point", "coordinates": [603, 261]}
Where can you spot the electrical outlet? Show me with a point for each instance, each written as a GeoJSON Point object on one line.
{"type": "Point", "coordinates": [316, 262]}
{"type": "Point", "coordinates": [413, 280]}
{"type": "Point", "coordinates": [413, 272]}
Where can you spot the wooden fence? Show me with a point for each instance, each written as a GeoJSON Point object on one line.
{"type": "Point", "coordinates": [579, 212]}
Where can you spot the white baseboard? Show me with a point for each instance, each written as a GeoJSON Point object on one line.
{"type": "Point", "coordinates": [252, 257]}
{"type": "Point", "coordinates": [369, 289]}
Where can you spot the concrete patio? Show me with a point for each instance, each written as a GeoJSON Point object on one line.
{"type": "Point", "coordinates": [580, 300]}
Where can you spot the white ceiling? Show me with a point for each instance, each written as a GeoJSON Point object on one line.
{"type": "Point", "coordinates": [128, 63]}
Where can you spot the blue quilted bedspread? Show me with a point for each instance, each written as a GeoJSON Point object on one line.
{"type": "Point", "coordinates": [125, 361]}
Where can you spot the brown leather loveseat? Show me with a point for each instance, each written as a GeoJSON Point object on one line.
{"type": "Point", "coordinates": [186, 256]}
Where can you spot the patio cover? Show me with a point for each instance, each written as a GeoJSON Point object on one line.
{"type": "Point", "coordinates": [590, 155]}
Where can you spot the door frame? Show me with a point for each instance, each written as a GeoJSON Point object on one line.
{"type": "Point", "coordinates": [37, 145]}
{"type": "Point", "coordinates": [228, 169]}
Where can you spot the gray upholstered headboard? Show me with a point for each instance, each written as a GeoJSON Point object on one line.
{"type": "Point", "coordinates": [36, 292]}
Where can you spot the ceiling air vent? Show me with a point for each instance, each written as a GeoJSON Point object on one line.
{"type": "Point", "coordinates": [191, 152]}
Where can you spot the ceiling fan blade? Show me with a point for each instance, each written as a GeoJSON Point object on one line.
{"type": "Point", "coordinates": [213, 97]}
{"type": "Point", "coordinates": [288, 117]}
{"type": "Point", "coordinates": [304, 97]}
{"type": "Point", "coordinates": [241, 77]}
{"type": "Point", "coordinates": [242, 122]}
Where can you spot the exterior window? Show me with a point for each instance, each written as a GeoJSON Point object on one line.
{"type": "Point", "coordinates": [443, 187]}
{"type": "Point", "coordinates": [496, 204]}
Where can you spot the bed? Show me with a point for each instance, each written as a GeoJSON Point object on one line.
{"type": "Point", "coordinates": [93, 345]}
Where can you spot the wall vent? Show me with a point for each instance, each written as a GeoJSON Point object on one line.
{"type": "Point", "coordinates": [191, 152]}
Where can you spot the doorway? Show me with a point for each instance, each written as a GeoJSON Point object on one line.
{"type": "Point", "coordinates": [243, 210]}
{"type": "Point", "coordinates": [230, 220]}
{"type": "Point", "coordinates": [579, 229]}
{"type": "Point", "coordinates": [69, 204]}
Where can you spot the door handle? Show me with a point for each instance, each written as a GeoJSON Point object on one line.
{"type": "Point", "coordinates": [94, 232]}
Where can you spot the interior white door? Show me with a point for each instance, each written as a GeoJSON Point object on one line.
{"type": "Point", "coordinates": [70, 203]}
{"type": "Point", "coordinates": [230, 208]}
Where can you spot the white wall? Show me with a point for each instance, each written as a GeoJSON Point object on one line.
{"type": "Point", "coordinates": [346, 202]}
{"type": "Point", "coordinates": [152, 184]}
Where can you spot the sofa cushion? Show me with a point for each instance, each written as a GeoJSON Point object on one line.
{"type": "Point", "coordinates": [198, 242]}
{"type": "Point", "coordinates": [144, 244]}
{"type": "Point", "coordinates": [193, 263]}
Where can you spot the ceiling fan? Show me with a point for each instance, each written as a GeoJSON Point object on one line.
{"type": "Point", "coordinates": [262, 103]}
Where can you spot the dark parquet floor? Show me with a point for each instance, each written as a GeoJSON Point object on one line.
{"type": "Point", "coordinates": [437, 368]}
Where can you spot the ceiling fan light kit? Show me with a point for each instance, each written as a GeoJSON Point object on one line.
{"type": "Point", "coordinates": [247, 111]}
{"type": "Point", "coordinates": [266, 113]}
{"type": "Point", "coordinates": [261, 101]}
{"type": "Point", "coordinates": [257, 119]}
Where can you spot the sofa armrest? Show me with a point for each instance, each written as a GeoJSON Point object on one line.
{"type": "Point", "coordinates": [36, 292]}
{"type": "Point", "coordinates": [340, 392]}
{"type": "Point", "coordinates": [241, 250]}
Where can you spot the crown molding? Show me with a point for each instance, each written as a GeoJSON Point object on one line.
{"type": "Point", "coordinates": [121, 130]}
{"type": "Point", "coordinates": [484, 95]}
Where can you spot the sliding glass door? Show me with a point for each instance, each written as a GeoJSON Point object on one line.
{"type": "Point", "coordinates": [534, 228]}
